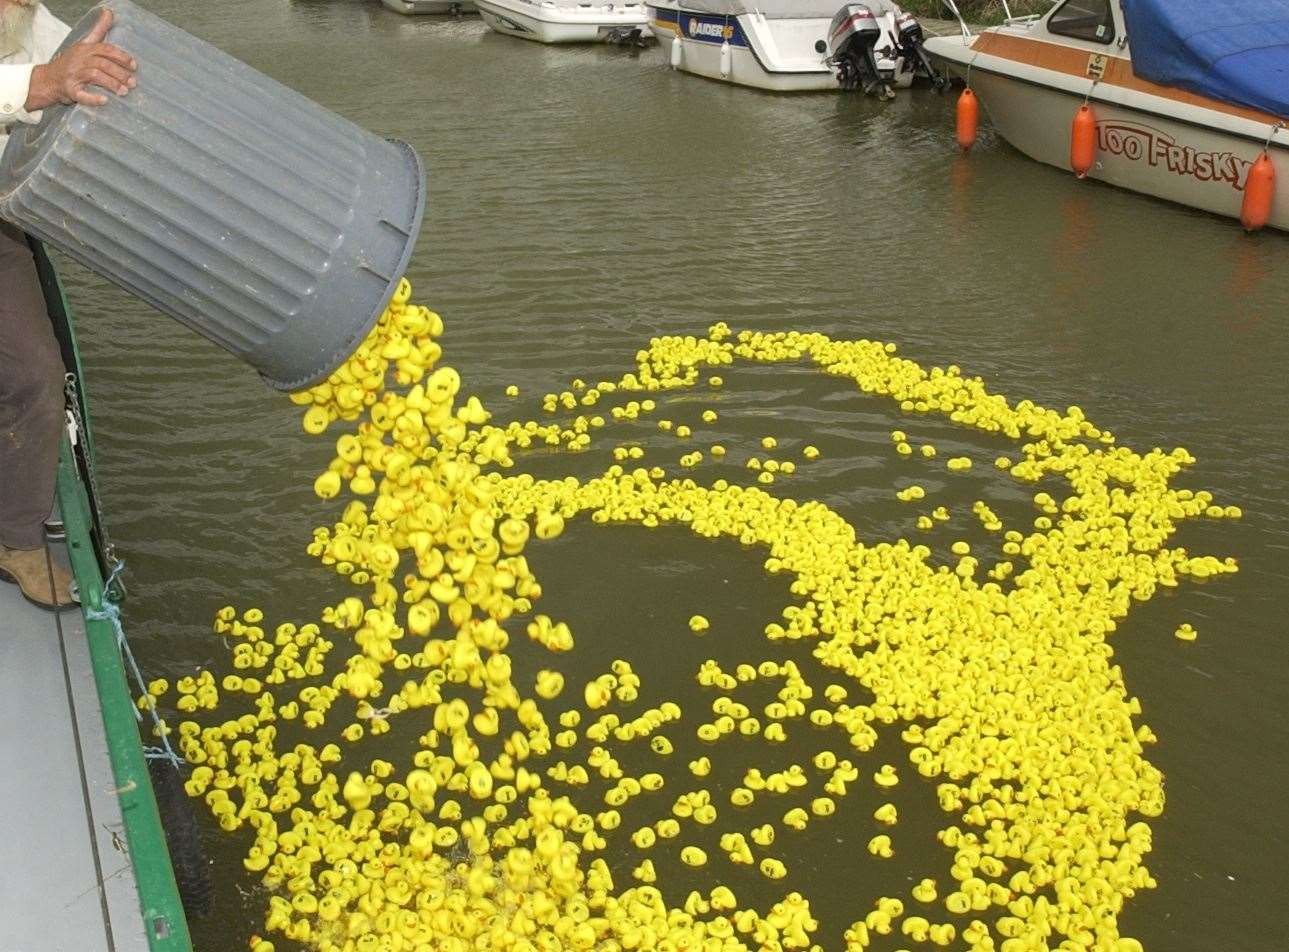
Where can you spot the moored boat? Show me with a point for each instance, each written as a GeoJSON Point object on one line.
{"type": "Point", "coordinates": [88, 862]}
{"type": "Point", "coordinates": [547, 21]}
{"type": "Point", "coordinates": [1182, 98]}
{"type": "Point", "coordinates": [441, 7]}
{"type": "Point", "coordinates": [793, 45]}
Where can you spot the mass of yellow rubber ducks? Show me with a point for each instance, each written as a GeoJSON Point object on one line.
{"type": "Point", "coordinates": [493, 833]}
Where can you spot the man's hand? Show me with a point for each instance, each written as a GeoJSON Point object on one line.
{"type": "Point", "coordinates": [91, 62]}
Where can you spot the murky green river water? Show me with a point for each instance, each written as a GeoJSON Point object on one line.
{"type": "Point", "coordinates": [583, 200]}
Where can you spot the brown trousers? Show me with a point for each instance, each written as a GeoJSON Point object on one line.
{"type": "Point", "coordinates": [31, 397]}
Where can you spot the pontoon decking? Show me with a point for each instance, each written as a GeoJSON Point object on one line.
{"type": "Point", "coordinates": [84, 859]}
{"type": "Point", "coordinates": [68, 883]}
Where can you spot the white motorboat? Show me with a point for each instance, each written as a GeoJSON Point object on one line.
{"type": "Point", "coordinates": [441, 7]}
{"type": "Point", "coordinates": [549, 21]}
{"type": "Point", "coordinates": [1184, 99]}
{"type": "Point", "coordinates": [793, 45]}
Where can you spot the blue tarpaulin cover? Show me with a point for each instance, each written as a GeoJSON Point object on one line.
{"type": "Point", "coordinates": [1236, 51]}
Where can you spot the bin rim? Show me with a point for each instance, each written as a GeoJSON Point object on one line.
{"type": "Point", "coordinates": [336, 358]}
{"type": "Point", "coordinates": [20, 135]}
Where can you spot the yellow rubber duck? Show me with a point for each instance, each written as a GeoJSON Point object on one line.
{"type": "Point", "coordinates": [924, 891]}
{"type": "Point", "coordinates": [880, 846]}
{"type": "Point", "coordinates": [356, 792]}
{"type": "Point", "coordinates": [886, 776]}
{"type": "Point", "coordinates": [693, 856]}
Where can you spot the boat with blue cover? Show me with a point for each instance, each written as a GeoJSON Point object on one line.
{"type": "Point", "coordinates": [1180, 99]}
{"type": "Point", "coordinates": [87, 859]}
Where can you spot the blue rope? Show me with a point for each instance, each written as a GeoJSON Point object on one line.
{"type": "Point", "coordinates": [111, 613]}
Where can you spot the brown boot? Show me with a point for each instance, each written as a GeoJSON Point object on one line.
{"type": "Point", "coordinates": [31, 570]}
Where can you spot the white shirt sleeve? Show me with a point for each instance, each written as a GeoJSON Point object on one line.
{"type": "Point", "coordinates": [15, 78]}
{"type": "Point", "coordinates": [15, 83]}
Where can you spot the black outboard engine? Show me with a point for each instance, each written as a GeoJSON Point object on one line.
{"type": "Point", "coordinates": [909, 32]}
{"type": "Point", "coordinates": [852, 37]}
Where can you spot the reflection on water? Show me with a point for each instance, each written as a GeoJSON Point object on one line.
{"type": "Point", "coordinates": [583, 200]}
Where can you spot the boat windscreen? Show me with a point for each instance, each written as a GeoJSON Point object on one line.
{"type": "Point", "coordinates": [777, 9]}
{"type": "Point", "coordinates": [1235, 51]}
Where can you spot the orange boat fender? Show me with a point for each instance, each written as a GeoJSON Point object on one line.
{"type": "Point", "coordinates": [968, 119]}
{"type": "Point", "coordinates": [1083, 141]}
{"type": "Point", "coordinates": [1259, 190]}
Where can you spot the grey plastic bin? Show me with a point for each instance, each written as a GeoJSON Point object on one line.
{"type": "Point", "coordinates": [237, 206]}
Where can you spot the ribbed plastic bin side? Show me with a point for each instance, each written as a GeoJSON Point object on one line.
{"type": "Point", "coordinates": [241, 208]}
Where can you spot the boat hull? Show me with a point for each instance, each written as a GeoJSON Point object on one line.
{"type": "Point", "coordinates": [439, 7]}
{"type": "Point", "coordinates": [701, 54]}
{"type": "Point", "coordinates": [773, 55]}
{"type": "Point", "coordinates": [553, 24]}
{"type": "Point", "coordinates": [1181, 160]}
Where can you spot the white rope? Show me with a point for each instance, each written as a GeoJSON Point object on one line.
{"type": "Point", "coordinates": [1272, 134]}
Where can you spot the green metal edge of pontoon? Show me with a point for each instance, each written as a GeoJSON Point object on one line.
{"type": "Point", "coordinates": [165, 925]}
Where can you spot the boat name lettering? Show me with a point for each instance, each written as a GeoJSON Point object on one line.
{"type": "Point", "coordinates": [1141, 143]}
{"type": "Point", "coordinates": [717, 31]}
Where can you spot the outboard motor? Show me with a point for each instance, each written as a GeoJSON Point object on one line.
{"type": "Point", "coordinates": [909, 32]}
{"type": "Point", "coordinates": [852, 36]}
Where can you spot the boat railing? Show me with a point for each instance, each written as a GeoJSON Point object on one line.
{"type": "Point", "coordinates": [1008, 18]}
{"type": "Point", "coordinates": [1025, 19]}
{"type": "Point", "coordinates": [957, 15]}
